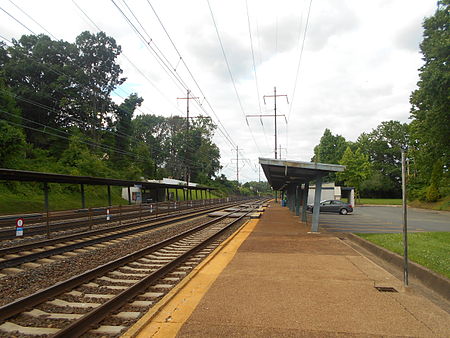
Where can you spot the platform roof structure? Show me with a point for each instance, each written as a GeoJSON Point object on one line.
{"type": "Point", "coordinates": [281, 173]}
{"type": "Point", "coordinates": [34, 176]}
{"type": "Point", "coordinates": [293, 177]}
{"type": "Point", "coordinates": [45, 178]}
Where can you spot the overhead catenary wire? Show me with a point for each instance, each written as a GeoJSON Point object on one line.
{"type": "Point", "coordinates": [124, 55]}
{"type": "Point", "coordinates": [230, 73]}
{"type": "Point", "coordinates": [254, 69]}
{"type": "Point", "coordinates": [200, 104]}
{"type": "Point", "coordinates": [18, 21]}
{"type": "Point", "coordinates": [25, 13]}
{"type": "Point", "coordinates": [201, 101]}
{"type": "Point", "coordinates": [37, 23]}
{"type": "Point", "coordinates": [297, 73]}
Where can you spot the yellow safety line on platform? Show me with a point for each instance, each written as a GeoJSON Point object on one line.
{"type": "Point", "coordinates": [167, 317]}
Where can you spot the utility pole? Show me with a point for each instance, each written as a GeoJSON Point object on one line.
{"type": "Point", "coordinates": [275, 119]}
{"type": "Point", "coordinates": [275, 112]}
{"type": "Point", "coordinates": [187, 98]}
{"type": "Point", "coordinates": [237, 162]}
{"type": "Point", "coordinates": [274, 115]}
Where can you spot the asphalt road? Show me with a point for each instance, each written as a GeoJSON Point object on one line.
{"type": "Point", "coordinates": [379, 219]}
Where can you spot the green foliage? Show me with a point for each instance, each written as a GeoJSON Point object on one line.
{"type": "Point", "coordinates": [12, 145]}
{"type": "Point", "coordinates": [357, 168]}
{"type": "Point", "coordinates": [77, 159]}
{"type": "Point", "coordinates": [383, 146]}
{"type": "Point", "coordinates": [430, 132]}
{"type": "Point", "coordinates": [330, 150]}
{"type": "Point", "coordinates": [429, 249]}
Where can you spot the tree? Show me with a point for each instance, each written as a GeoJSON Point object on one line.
{"type": "Point", "coordinates": [430, 131]}
{"type": "Point", "coordinates": [59, 85]}
{"type": "Point", "coordinates": [383, 146]}
{"type": "Point", "coordinates": [329, 150]}
{"type": "Point", "coordinates": [357, 170]}
{"type": "Point", "coordinates": [123, 128]}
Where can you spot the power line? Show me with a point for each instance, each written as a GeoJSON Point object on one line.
{"type": "Point", "coordinates": [129, 60]}
{"type": "Point", "coordinates": [224, 132]}
{"type": "Point", "coordinates": [300, 60]}
{"type": "Point", "coordinates": [37, 23]}
{"type": "Point", "coordinates": [254, 68]}
{"type": "Point", "coordinates": [229, 72]}
{"type": "Point", "coordinates": [20, 23]}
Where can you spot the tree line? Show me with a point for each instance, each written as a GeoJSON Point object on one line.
{"type": "Point", "coordinates": [374, 160]}
{"type": "Point", "coordinates": [57, 115]}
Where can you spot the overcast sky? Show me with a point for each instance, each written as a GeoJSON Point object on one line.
{"type": "Point", "coordinates": [358, 66]}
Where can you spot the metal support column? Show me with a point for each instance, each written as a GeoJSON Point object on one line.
{"type": "Point", "coordinates": [176, 194]}
{"type": "Point", "coordinates": [109, 195]}
{"type": "Point", "coordinates": [297, 201]}
{"type": "Point", "coordinates": [83, 200]}
{"type": "Point", "coordinates": [305, 201]}
{"type": "Point", "coordinates": [129, 196]}
{"type": "Point", "coordinates": [292, 204]}
{"type": "Point", "coordinates": [316, 210]}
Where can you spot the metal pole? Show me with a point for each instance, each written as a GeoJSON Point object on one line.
{"type": "Point", "coordinates": [405, 225]}
{"type": "Point", "coordinates": [129, 196]}
{"type": "Point", "coordinates": [275, 112]}
{"type": "Point", "coordinates": [83, 201]}
{"type": "Point", "coordinates": [109, 195]}
{"type": "Point", "coordinates": [187, 138]}
{"type": "Point", "coordinates": [237, 164]}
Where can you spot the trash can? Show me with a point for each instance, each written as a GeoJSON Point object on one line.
{"type": "Point", "coordinates": [283, 203]}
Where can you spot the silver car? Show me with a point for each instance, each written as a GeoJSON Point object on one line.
{"type": "Point", "coordinates": [333, 206]}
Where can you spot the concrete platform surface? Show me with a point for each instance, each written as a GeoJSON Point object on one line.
{"type": "Point", "coordinates": [282, 281]}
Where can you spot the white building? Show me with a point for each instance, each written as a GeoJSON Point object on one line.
{"type": "Point", "coordinates": [332, 192]}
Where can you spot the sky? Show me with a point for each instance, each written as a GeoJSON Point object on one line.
{"type": "Point", "coordinates": [345, 65]}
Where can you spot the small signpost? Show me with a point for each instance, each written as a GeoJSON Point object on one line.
{"type": "Point", "coordinates": [19, 227]}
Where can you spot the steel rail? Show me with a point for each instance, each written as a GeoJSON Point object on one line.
{"type": "Point", "coordinates": [39, 297]}
{"type": "Point", "coordinates": [45, 242]}
{"type": "Point", "coordinates": [33, 230]}
{"type": "Point", "coordinates": [16, 261]}
{"type": "Point", "coordinates": [85, 323]}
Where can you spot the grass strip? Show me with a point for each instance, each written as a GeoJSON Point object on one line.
{"type": "Point", "coordinates": [380, 201]}
{"type": "Point", "coordinates": [430, 249]}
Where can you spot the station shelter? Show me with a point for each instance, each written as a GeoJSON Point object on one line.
{"type": "Point", "coordinates": [293, 178]}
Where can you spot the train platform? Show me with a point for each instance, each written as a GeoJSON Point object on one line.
{"type": "Point", "coordinates": [273, 278]}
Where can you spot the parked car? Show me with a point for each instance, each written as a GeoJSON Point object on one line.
{"type": "Point", "coordinates": [333, 206]}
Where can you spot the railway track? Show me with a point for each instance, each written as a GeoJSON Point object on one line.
{"type": "Point", "coordinates": [76, 220]}
{"type": "Point", "coordinates": [12, 258]}
{"type": "Point", "coordinates": [108, 299]}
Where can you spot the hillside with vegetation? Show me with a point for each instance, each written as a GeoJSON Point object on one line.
{"type": "Point", "coordinates": [57, 115]}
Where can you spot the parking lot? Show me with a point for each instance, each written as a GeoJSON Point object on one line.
{"type": "Point", "coordinates": [384, 219]}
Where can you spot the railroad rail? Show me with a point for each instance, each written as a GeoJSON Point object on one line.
{"type": "Point", "coordinates": [106, 299]}
{"type": "Point", "coordinates": [14, 256]}
{"type": "Point", "coordinates": [56, 221]}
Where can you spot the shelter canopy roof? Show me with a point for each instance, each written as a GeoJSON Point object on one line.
{"type": "Point", "coordinates": [34, 176]}
{"type": "Point", "coordinates": [280, 173]}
